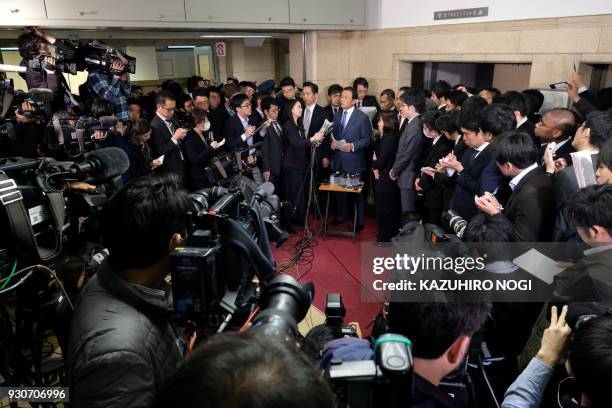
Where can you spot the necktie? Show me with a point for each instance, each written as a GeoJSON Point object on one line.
{"type": "Point", "coordinates": [307, 121]}
{"type": "Point", "coordinates": [277, 128]}
{"type": "Point", "coordinates": [358, 104]}
{"type": "Point", "coordinates": [343, 119]}
{"type": "Point", "coordinates": [171, 125]}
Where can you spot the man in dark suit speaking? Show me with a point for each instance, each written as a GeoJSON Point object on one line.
{"type": "Point", "coordinates": [354, 127]}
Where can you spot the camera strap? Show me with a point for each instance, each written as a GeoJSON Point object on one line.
{"type": "Point", "coordinates": [19, 219]}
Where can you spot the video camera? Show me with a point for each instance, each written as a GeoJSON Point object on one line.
{"type": "Point", "coordinates": [38, 63]}
{"type": "Point", "coordinates": [224, 169]}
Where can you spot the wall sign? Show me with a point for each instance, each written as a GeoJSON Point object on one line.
{"type": "Point", "coordinates": [220, 49]}
{"type": "Point", "coordinates": [461, 13]}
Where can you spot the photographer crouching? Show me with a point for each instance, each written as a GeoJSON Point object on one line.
{"type": "Point", "coordinates": [122, 343]}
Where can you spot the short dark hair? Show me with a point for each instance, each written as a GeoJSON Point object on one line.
{"type": "Point", "coordinates": [28, 44]}
{"type": "Point", "coordinates": [352, 90]}
{"type": "Point", "coordinates": [430, 119]}
{"type": "Point", "coordinates": [245, 370]}
{"type": "Point", "coordinates": [238, 100]}
{"type": "Point", "coordinates": [403, 89]}
{"type": "Point", "coordinates": [267, 102]}
{"type": "Point", "coordinates": [163, 96]}
{"type": "Point", "coordinates": [311, 85]}
{"type": "Point", "coordinates": [192, 82]}
{"type": "Point", "coordinates": [141, 218]}
{"type": "Point", "coordinates": [360, 81]}
{"type": "Point", "coordinates": [200, 92]}
{"type": "Point", "coordinates": [600, 124]}
{"type": "Point", "coordinates": [515, 100]}
{"type": "Point", "coordinates": [470, 121]}
{"type": "Point", "coordinates": [213, 89]}
{"type": "Point", "coordinates": [457, 97]}
{"type": "Point", "coordinates": [474, 104]}
{"type": "Point", "coordinates": [591, 206]}
{"type": "Point", "coordinates": [140, 127]}
{"type": "Point", "coordinates": [388, 93]}
{"type": "Point", "coordinates": [414, 97]}
{"type": "Point", "coordinates": [534, 99]}
{"type": "Point", "coordinates": [493, 91]}
{"type": "Point", "coordinates": [334, 89]}
{"type": "Point", "coordinates": [198, 116]}
{"type": "Point", "coordinates": [449, 122]}
{"type": "Point", "coordinates": [246, 84]}
{"type": "Point", "coordinates": [441, 89]}
{"type": "Point", "coordinates": [287, 81]}
{"type": "Point", "coordinates": [434, 327]}
{"type": "Point", "coordinates": [516, 148]}
{"type": "Point", "coordinates": [101, 107]}
{"type": "Point", "coordinates": [604, 98]}
{"type": "Point", "coordinates": [497, 118]}
{"type": "Point", "coordinates": [391, 124]}
{"type": "Point", "coordinates": [490, 235]}
{"type": "Point", "coordinates": [590, 358]}
{"type": "Point", "coordinates": [605, 155]}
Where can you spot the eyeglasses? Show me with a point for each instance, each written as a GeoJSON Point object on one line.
{"type": "Point", "coordinates": [168, 109]}
{"type": "Point", "coordinates": [246, 105]}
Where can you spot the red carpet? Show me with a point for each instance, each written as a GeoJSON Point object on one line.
{"type": "Point", "coordinates": [335, 267]}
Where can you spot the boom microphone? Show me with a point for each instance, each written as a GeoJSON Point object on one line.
{"type": "Point", "coordinates": [103, 164]}
{"type": "Point", "coordinates": [41, 95]}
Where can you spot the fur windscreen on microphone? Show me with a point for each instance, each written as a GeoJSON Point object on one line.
{"type": "Point", "coordinates": [109, 162]}
{"type": "Point", "coordinates": [41, 95]}
{"type": "Point", "coordinates": [265, 189]}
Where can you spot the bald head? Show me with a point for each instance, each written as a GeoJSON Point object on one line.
{"type": "Point", "coordinates": [558, 125]}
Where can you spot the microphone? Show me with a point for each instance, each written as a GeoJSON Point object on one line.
{"type": "Point", "coordinates": [103, 164]}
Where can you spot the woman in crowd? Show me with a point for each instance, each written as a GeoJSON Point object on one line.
{"type": "Point", "coordinates": [199, 149]}
{"type": "Point", "coordinates": [295, 147]}
{"type": "Point", "coordinates": [139, 153]}
{"type": "Point", "coordinates": [604, 165]}
{"type": "Point", "coordinates": [386, 191]}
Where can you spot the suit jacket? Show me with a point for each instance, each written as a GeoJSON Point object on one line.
{"type": "Point", "coordinates": [319, 114]}
{"type": "Point", "coordinates": [161, 144]}
{"type": "Point", "coordinates": [295, 146]}
{"type": "Point", "coordinates": [324, 150]}
{"type": "Point", "coordinates": [432, 192]}
{"type": "Point", "coordinates": [217, 119]}
{"type": "Point", "coordinates": [409, 150]}
{"type": "Point", "coordinates": [358, 131]}
{"type": "Point", "coordinates": [272, 151]}
{"type": "Point", "coordinates": [198, 154]}
{"type": "Point", "coordinates": [448, 182]}
{"type": "Point", "coordinates": [529, 129]}
{"type": "Point", "coordinates": [385, 149]}
{"type": "Point", "coordinates": [370, 100]}
{"type": "Point", "coordinates": [531, 207]}
{"type": "Point", "coordinates": [256, 119]}
{"type": "Point", "coordinates": [232, 133]}
{"type": "Point", "coordinates": [469, 181]}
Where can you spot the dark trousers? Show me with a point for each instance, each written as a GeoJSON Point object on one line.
{"type": "Point", "coordinates": [293, 190]}
{"type": "Point", "coordinates": [408, 198]}
{"type": "Point", "coordinates": [432, 216]}
{"type": "Point", "coordinates": [387, 211]}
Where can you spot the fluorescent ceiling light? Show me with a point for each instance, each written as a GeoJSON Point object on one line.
{"type": "Point", "coordinates": [180, 47]}
{"type": "Point", "coordinates": [9, 49]}
{"type": "Point", "coordinates": [235, 36]}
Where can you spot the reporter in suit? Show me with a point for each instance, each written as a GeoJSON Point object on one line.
{"type": "Point", "coordinates": [295, 148]}
{"type": "Point", "coordinates": [198, 151]}
{"type": "Point", "coordinates": [354, 127]}
{"type": "Point", "coordinates": [531, 205]}
{"type": "Point", "coordinates": [385, 190]}
{"type": "Point", "coordinates": [470, 168]}
{"type": "Point", "coordinates": [438, 147]}
{"type": "Point", "coordinates": [363, 99]}
{"type": "Point", "coordinates": [272, 147]}
{"type": "Point", "coordinates": [238, 130]}
{"type": "Point", "coordinates": [411, 145]}
{"type": "Point", "coordinates": [167, 137]}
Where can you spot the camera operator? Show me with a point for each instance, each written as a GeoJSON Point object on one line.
{"type": "Point", "coordinates": [248, 371]}
{"type": "Point", "coordinates": [122, 343]}
{"type": "Point", "coordinates": [113, 86]}
{"type": "Point", "coordinates": [440, 335]}
{"type": "Point", "coordinates": [199, 148]}
{"type": "Point", "coordinates": [107, 138]}
{"type": "Point", "coordinates": [35, 45]}
{"type": "Point", "coordinates": [29, 135]}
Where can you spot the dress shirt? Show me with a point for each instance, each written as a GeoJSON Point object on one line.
{"type": "Point", "coordinates": [516, 179]}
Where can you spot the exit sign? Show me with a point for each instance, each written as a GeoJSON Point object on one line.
{"type": "Point", "coordinates": [461, 13]}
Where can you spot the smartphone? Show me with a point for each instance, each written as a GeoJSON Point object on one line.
{"type": "Point", "coordinates": [559, 85]}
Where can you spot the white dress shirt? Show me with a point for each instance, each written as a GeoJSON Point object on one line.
{"type": "Point", "coordinates": [516, 179]}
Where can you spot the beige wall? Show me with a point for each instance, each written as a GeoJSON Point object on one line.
{"type": "Point", "coordinates": [384, 56]}
{"type": "Point", "coordinates": [251, 63]}
{"type": "Point", "coordinates": [511, 77]}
